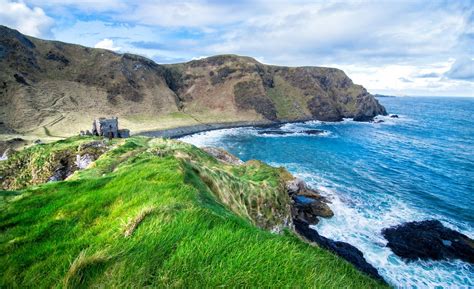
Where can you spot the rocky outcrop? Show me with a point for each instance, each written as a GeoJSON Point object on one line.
{"type": "Point", "coordinates": [223, 155]}
{"type": "Point", "coordinates": [306, 208]}
{"type": "Point", "coordinates": [54, 85]}
{"type": "Point", "coordinates": [48, 163]}
{"type": "Point", "coordinates": [428, 240]}
{"type": "Point", "coordinates": [342, 249]}
{"type": "Point", "coordinates": [9, 146]}
{"type": "Point", "coordinates": [307, 203]}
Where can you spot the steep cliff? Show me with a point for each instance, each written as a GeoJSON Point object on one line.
{"type": "Point", "coordinates": [55, 88]}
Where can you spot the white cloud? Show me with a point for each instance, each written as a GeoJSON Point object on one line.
{"type": "Point", "coordinates": [193, 14]}
{"type": "Point", "coordinates": [107, 44]}
{"type": "Point", "coordinates": [462, 68]}
{"type": "Point", "coordinates": [83, 5]}
{"type": "Point", "coordinates": [398, 46]}
{"type": "Point", "coordinates": [30, 21]}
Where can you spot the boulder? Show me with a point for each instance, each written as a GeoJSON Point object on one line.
{"type": "Point", "coordinates": [428, 240]}
{"type": "Point", "coordinates": [342, 249]}
{"type": "Point", "coordinates": [363, 117]}
{"type": "Point", "coordinates": [307, 204]}
{"type": "Point", "coordinates": [294, 186]}
{"type": "Point", "coordinates": [84, 161]}
{"type": "Point", "coordinates": [394, 116]}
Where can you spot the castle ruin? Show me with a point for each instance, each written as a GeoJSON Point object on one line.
{"type": "Point", "coordinates": [107, 127]}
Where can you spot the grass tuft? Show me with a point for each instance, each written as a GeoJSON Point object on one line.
{"type": "Point", "coordinates": [133, 224]}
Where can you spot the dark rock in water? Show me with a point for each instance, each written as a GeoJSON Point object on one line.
{"type": "Point", "coordinates": [312, 206]}
{"type": "Point", "coordinates": [282, 132]}
{"type": "Point", "coordinates": [342, 249]}
{"type": "Point", "coordinates": [428, 240]}
{"type": "Point", "coordinates": [307, 204]}
{"type": "Point", "coordinates": [378, 121]}
{"type": "Point", "coordinates": [313, 131]}
{"type": "Point", "coordinates": [275, 132]}
{"type": "Point", "coordinates": [394, 116]}
{"type": "Point", "coordinates": [363, 117]}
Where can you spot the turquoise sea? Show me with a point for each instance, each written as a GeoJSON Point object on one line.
{"type": "Point", "coordinates": [415, 167]}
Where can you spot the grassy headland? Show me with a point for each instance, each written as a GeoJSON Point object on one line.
{"type": "Point", "coordinates": [153, 213]}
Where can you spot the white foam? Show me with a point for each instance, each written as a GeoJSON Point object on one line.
{"type": "Point", "coordinates": [214, 137]}
{"type": "Point", "coordinates": [362, 228]}
{"type": "Point", "coordinates": [297, 133]}
{"type": "Point", "coordinates": [360, 220]}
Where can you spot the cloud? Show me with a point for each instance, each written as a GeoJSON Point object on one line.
{"type": "Point", "coordinates": [383, 45]}
{"type": "Point", "coordinates": [191, 14]}
{"type": "Point", "coordinates": [107, 44]}
{"type": "Point", "coordinates": [150, 45]}
{"type": "Point", "coordinates": [428, 75]}
{"type": "Point", "coordinates": [30, 21]}
{"type": "Point", "coordinates": [462, 68]}
{"type": "Point", "coordinates": [82, 5]}
{"type": "Point", "coordinates": [404, 79]}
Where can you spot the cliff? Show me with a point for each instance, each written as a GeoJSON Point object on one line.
{"type": "Point", "coordinates": [54, 89]}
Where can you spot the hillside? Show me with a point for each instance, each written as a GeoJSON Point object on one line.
{"type": "Point", "coordinates": [50, 88]}
{"type": "Point", "coordinates": [153, 213]}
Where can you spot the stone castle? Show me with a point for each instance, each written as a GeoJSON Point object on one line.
{"type": "Point", "coordinates": [107, 127]}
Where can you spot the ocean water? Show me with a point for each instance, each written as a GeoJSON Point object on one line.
{"type": "Point", "coordinates": [416, 167]}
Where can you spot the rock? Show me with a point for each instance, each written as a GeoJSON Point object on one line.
{"type": "Point", "coordinates": [275, 132]}
{"type": "Point", "coordinates": [378, 121]}
{"type": "Point", "coordinates": [342, 249]}
{"type": "Point", "coordinates": [307, 204]}
{"type": "Point", "coordinates": [124, 133]}
{"type": "Point", "coordinates": [394, 116]}
{"type": "Point", "coordinates": [363, 117]}
{"type": "Point", "coordinates": [223, 155]}
{"type": "Point", "coordinates": [5, 155]}
{"type": "Point", "coordinates": [282, 132]}
{"type": "Point", "coordinates": [313, 131]}
{"type": "Point", "coordinates": [92, 144]}
{"type": "Point", "coordinates": [38, 141]}
{"type": "Point", "coordinates": [294, 186]}
{"type": "Point", "coordinates": [84, 161]}
{"type": "Point", "coordinates": [428, 240]}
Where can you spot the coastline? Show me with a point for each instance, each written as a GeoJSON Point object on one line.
{"type": "Point", "coordinates": [193, 129]}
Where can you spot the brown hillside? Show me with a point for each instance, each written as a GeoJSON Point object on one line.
{"type": "Point", "coordinates": [55, 88]}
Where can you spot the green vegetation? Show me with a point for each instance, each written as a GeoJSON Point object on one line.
{"type": "Point", "coordinates": [289, 101]}
{"type": "Point", "coordinates": [156, 213]}
{"type": "Point", "coordinates": [38, 163]}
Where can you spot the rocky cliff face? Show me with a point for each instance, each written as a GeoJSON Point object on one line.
{"type": "Point", "coordinates": [52, 85]}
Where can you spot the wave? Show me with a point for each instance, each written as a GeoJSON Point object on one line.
{"type": "Point", "coordinates": [362, 228]}
{"type": "Point", "coordinates": [214, 137]}
{"type": "Point", "coordinates": [376, 175]}
{"type": "Point", "coordinates": [360, 222]}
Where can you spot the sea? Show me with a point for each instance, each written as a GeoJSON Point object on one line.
{"type": "Point", "coordinates": [415, 167]}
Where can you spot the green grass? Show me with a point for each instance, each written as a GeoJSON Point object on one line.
{"type": "Point", "coordinates": [143, 216]}
{"type": "Point", "coordinates": [289, 101]}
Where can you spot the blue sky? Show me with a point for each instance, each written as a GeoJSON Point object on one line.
{"type": "Point", "coordinates": [392, 47]}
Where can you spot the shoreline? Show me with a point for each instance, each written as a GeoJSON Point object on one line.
{"type": "Point", "coordinates": [179, 132]}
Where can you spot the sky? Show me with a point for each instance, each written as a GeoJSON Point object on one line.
{"type": "Point", "coordinates": [390, 47]}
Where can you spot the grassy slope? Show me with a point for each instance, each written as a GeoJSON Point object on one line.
{"type": "Point", "coordinates": [143, 216]}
